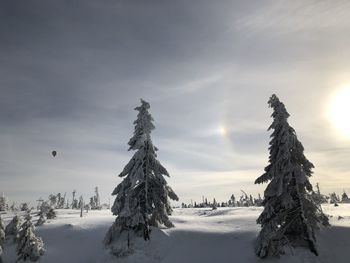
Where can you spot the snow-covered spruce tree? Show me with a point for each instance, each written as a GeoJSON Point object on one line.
{"type": "Point", "coordinates": [41, 220]}
{"type": "Point", "coordinates": [50, 214]}
{"type": "Point", "coordinates": [290, 216]}
{"type": "Point", "coordinates": [81, 205]}
{"type": "Point", "coordinates": [345, 198]}
{"type": "Point", "coordinates": [142, 198]}
{"type": "Point", "coordinates": [258, 201]}
{"type": "Point", "coordinates": [3, 203]}
{"type": "Point", "coordinates": [12, 229]}
{"type": "Point", "coordinates": [24, 207]}
{"type": "Point", "coordinates": [334, 199]}
{"type": "Point", "coordinates": [95, 203]}
{"type": "Point", "coordinates": [215, 205]}
{"type": "Point", "coordinates": [29, 246]}
{"type": "Point", "coordinates": [47, 210]}
{"type": "Point", "coordinates": [318, 197]}
{"type": "Point", "coordinates": [232, 201]}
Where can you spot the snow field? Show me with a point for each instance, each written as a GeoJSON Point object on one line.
{"type": "Point", "coordinates": [225, 235]}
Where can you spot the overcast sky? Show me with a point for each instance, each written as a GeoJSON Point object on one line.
{"type": "Point", "coordinates": [71, 73]}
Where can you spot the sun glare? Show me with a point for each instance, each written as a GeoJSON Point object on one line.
{"type": "Point", "coordinates": [339, 111]}
{"type": "Point", "coordinates": [222, 131]}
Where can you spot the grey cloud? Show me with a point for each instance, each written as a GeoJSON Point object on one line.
{"type": "Point", "coordinates": [71, 73]}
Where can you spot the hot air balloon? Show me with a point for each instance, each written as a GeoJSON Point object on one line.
{"type": "Point", "coordinates": [54, 153]}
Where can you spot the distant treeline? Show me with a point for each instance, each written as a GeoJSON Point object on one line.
{"type": "Point", "coordinates": [56, 201]}
{"type": "Point", "coordinates": [246, 200]}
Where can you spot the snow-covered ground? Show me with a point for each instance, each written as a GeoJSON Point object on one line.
{"type": "Point", "coordinates": [200, 235]}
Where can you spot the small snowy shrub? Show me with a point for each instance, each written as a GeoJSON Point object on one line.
{"type": "Point", "coordinates": [29, 246]}
{"type": "Point", "coordinates": [12, 229]}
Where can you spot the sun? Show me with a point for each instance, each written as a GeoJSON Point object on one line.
{"type": "Point", "coordinates": [222, 130]}
{"type": "Point", "coordinates": [339, 111]}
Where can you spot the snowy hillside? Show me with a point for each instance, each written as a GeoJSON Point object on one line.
{"type": "Point", "coordinates": [200, 235]}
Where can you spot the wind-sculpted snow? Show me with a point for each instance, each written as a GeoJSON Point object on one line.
{"type": "Point", "coordinates": [225, 235]}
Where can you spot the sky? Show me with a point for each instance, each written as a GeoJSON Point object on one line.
{"type": "Point", "coordinates": [72, 72]}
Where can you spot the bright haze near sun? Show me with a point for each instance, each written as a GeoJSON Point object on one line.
{"type": "Point", "coordinates": [71, 73]}
{"type": "Point", "coordinates": [223, 130]}
{"type": "Point", "coordinates": [339, 110]}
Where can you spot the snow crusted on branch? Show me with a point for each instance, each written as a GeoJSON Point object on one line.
{"type": "Point", "coordinates": [290, 216]}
